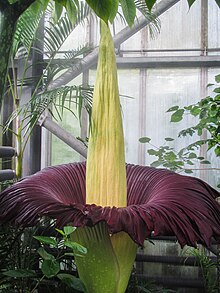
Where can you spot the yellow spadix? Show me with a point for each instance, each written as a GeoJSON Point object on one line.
{"type": "Point", "coordinates": [105, 168]}
{"type": "Point", "coordinates": [107, 266]}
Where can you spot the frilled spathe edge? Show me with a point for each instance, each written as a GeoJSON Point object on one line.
{"type": "Point", "coordinates": [158, 200]}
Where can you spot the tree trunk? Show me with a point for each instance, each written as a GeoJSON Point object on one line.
{"type": "Point", "coordinates": [9, 14]}
{"type": "Point", "coordinates": [8, 20]}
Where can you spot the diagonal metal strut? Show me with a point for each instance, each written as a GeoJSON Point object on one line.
{"type": "Point", "coordinates": [91, 59]}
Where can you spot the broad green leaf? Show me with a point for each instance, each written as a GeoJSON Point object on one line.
{"type": "Point", "coordinates": [152, 152]}
{"type": "Point", "coordinates": [174, 108]}
{"type": "Point", "coordinates": [20, 273]}
{"type": "Point", "coordinates": [68, 230]}
{"type": "Point", "coordinates": [75, 247]}
{"type": "Point", "coordinates": [72, 282]}
{"type": "Point", "coordinates": [170, 156]}
{"type": "Point", "coordinates": [218, 3]}
{"type": "Point", "coordinates": [46, 240]}
{"type": "Point", "coordinates": [192, 156]}
{"type": "Point", "coordinates": [129, 10]}
{"type": "Point", "coordinates": [200, 158]}
{"type": "Point", "coordinates": [177, 116]}
{"type": "Point", "coordinates": [205, 162]}
{"type": "Point", "coordinates": [190, 2]}
{"type": "Point", "coordinates": [217, 90]}
{"type": "Point", "coordinates": [144, 139]}
{"type": "Point", "coordinates": [218, 185]}
{"type": "Point", "coordinates": [69, 254]}
{"type": "Point", "coordinates": [57, 11]}
{"type": "Point", "coordinates": [156, 164]}
{"type": "Point", "coordinates": [169, 138]}
{"type": "Point", "coordinates": [217, 77]}
{"type": "Point", "coordinates": [217, 151]}
{"type": "Point", "coordinates": [60, 231]}
{"type": "Point", "coordinates": [44, 3]}
{"type": "Point", "coordinates": [188, 171]}
{"type": "Point", "coordinates": [114, 10]}
{"type": "Point", "coordinates": [150, 3]}
{"type": "Point", "coordinates": [71, 10]}
{"type": "Point", "coordinates": [44, 254]}
{"type": "Point", "coordinates": [102, 8]}
{"type": "Point", "coordinates": [50, 268]}
{"type": "Point", "coordinates": [39, 5]}
{"type": "Point", "coordinates": [195, 111]}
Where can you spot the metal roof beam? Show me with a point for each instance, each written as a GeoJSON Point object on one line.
{"type": "Point", "coordinates": [169, 61]}
{"type": "Point", "coordinates": [91, 59]}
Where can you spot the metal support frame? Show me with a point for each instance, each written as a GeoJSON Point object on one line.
{"type": "Point", "coordinates": [64, 135]}
{"type": "Point", "coordinates": [91, 59]}
{"type": "Point", "coordinates": [168, 62]}
{"type": "Point", "coordinates": [37, 71]}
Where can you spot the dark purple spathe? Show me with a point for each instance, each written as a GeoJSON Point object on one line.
{"type": "Point", "coordinates": [158, 200]}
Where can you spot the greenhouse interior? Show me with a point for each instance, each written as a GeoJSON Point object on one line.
{"type": "Point", "coordinates": [109, 146]}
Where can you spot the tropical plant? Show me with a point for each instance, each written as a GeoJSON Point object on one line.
{"type": "Point", "coordinates": [20, 269]}
{"type": "Point", "coordinates": [11, 10]}
{"type": "Point", "coordinates": [42, 98]}
{"type": "Point", "coordinates": [207, 266]}
{"type": "Point", "coordinates": [114, 206]}
{"type": "Point", "coordinates": [207, 111]}
{"type": "Point", "coordinates": [16, 246]}
{"type": "Point", "coordinates": [27, 115]}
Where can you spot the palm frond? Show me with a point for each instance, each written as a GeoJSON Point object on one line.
{"type": "Point", "coordinates": [154, 26]}
{"type": "Point", "coordinates": [56, 99]}
{"type": "Point", "coordinates": [70, 58]}
{"type": "Point", "coordinates": [58, 32]}
{"type": "Point", "coordinates": [26, 29]}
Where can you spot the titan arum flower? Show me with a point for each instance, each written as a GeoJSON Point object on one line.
{"type": "Point", "coordinates": [115, 206]}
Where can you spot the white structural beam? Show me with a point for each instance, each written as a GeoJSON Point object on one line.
{"type": "Point", "coordinates": [64, 135]}
{"type": "Point", "coordinates": [91, 59]}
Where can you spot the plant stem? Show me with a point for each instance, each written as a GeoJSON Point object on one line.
{"type": "Point", "coordinates": [38, 282]}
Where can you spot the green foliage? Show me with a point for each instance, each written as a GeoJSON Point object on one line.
{"type": "Point", "coordinates": [17, 261]}
{"type": "Point", "coordinates": [129, 10]}
{"type": "Point", "coordinates": [207, 112]}
{"type": "Point", "coordinates": [71, 282]}
{"type": "Point", "coordinates": [20, 273]}
{"type": "Point", "coordinates": [150, 3]}
{"type": "Point", "coordinates": [51, 265]}
{"type": "Point", "coordinates": [208, 269]}
{"type": "Point", "coordinates": [183, 160]}
{"type": "Point", "coordinates": [141, 286]}
{"type": "Point", "coordinates": [54, 100]}
{"type": "Point", "coordinates": [22, 276]}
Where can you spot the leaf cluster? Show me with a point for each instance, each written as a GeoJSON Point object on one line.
{"type": "Point", "coordinates": [107, 9]}
{"type": "Point", "coordinates": [208, 269]}
{"type": "Point", "coordinates": [57, 100]}
{"type": "Point", "coordinates": [16, 252]}
{"type": "Point", "coordinates": [51, 265]}
{"type": "Point", "coordinates": [167, 157]}
{"type": "Point", "coordinates": [208, 112]}
{"type": "Point", "coordinates": [54, 253]}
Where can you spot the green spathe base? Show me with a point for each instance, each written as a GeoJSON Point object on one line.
{"type": "Point", "coordinates": [107, 266]}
